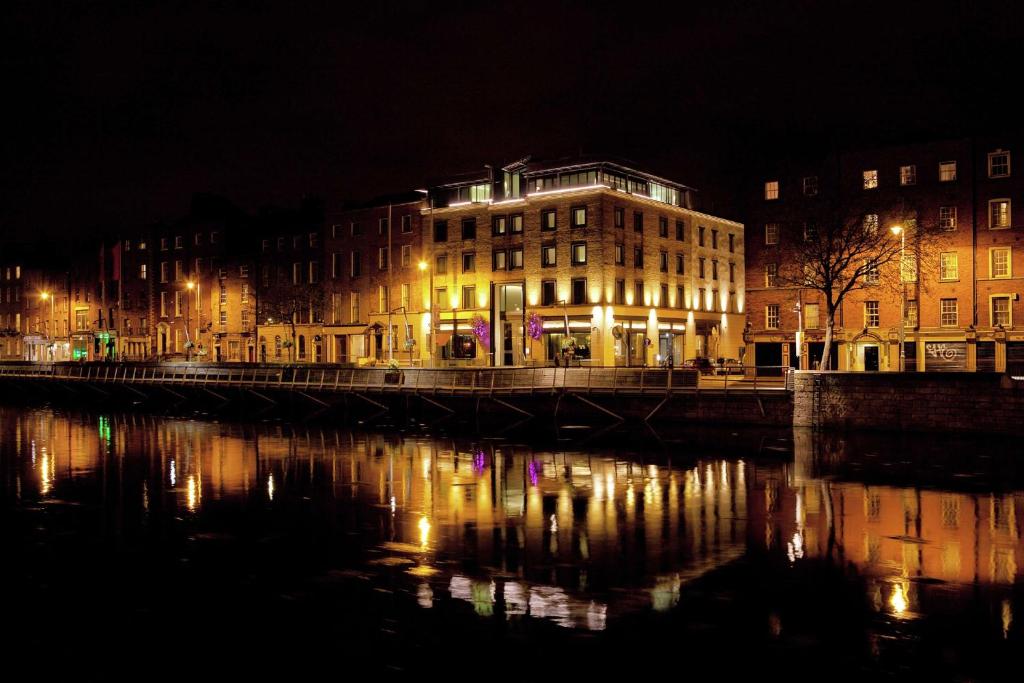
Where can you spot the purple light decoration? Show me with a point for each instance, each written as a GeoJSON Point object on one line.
{"type": "Point", "coordinates": [481, 330]}
{"type": "Point", "coordinates": [534, 471]}
{"type": "Point", "coordinates": [534, 326]}
{"type": "Point", "coordinates": [479, 462]}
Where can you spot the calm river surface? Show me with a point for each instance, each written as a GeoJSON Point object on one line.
{"type": "Point", "coordinates": [150, 547]}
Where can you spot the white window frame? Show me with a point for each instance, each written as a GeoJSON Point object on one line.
{"type": "Point", "coordinates": [870, 179]}
{"type": "Point", "coordinates": [949, 272]}
{"type": "Point", "coordinates": [992, 309]}
{"type": "Point", "coordinates": [947, 171]}
{"type": "Point", "coordinates": [998, 153]}
{"type": "Point", "coordinates": [872, 314]}
{"type": "Point", "coordinates": [949, 307]}
{"type": "Point", "coordinates": [771, 233]}
{"type": "Point", "coordinates": [908, 175]}
{"type": "Point", "coordinates": [1009, 213]}
{"type": "Point", "coordinates": [771, 316]}
{"type": "Point", "coordinates": [992, 253]}
{"type": "Point", "coordinates": [810, 185]}
{"type": "Point", "coordinates": [771, 274]}
{"type": "Point", "coordinates": [948, 221]}
{"type": "Point", "coordinates": [771, 190]}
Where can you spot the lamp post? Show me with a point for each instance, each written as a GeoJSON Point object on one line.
{"type": "Point", "coordinates": [49, 331]}
{"type": "Point", "coordinates": [898, 230]}
{"type": "Point", "coordinates": [188, 320]}
{"type": "Point", "coordinates": [424, 266]}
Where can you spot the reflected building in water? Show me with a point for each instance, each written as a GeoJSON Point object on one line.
{"type": "Point", "coordinates": [574, 537]}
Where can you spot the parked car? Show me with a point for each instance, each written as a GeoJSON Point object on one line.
{"type": "Point", "coordinates": [702, 364]}
{"type": "Point", "coordinates": [728, 366]}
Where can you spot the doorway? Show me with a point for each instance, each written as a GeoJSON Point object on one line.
{"type": "Point", "coordinates": [510, 337]}
{"type": "Point", "coordinates": [870, 358]}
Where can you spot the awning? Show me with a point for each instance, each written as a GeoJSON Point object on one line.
{"type": "Point", "coordinates": [442, 338]}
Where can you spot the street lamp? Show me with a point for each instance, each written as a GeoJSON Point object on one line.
{"type": "Point", "coordinates": [188, 320]}
{"type": "Point", "coordinates": [424, 266]}
{"type": "Point", "coordinates": [898, 230]}
{"type": "Point", "coordinates": [49, 326]}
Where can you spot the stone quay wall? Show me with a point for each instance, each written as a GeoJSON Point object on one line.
{"type": "Point", "coordinates": [942, 402]}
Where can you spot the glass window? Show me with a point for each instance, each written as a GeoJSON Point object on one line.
{"type": "Point", "coordinates": [810, 185]}
{"type": "Point", "coordinates": [638, 221]}
{"type": "Point", "coordinates": [998, 164]}
{"type": "Point", "coordinates": [547, 293]}
{"type": "Point", "coordinates": [771, 233]}
{"type": "Point", "coordinates": [516, 223]}
{"type": "Point", "coordinates": [499, 225]}
{"type": "Point", "coordinates": [638, 257]}
{"type": "Point", "coordinates": [870, 179]}
{"type": "Point", "coordinates": [1000, 262]}
{"type": "Point", "coordinates": [620, 292]}
{"type": "Point", "coordinates": [440, 231]}
{"type": "Point", "coordinates": [548, 256]}
{"type": "Point", "coordinates": [662, 226]}
{"type": "Point", "coordinates": [871, 273]}
{"type": "Point", "coordinates": [910, 313]}
{"type": "Point", "coordinates": [700, 236]}
{"type": "Point", "coordinates": [579, 290]}
{"type": "Point", "coordinates": [812, 319]}
{"type": "Point", "coordinates": [680, 265]}
{"type": "Point", "coordinates": [771, 274]}
{"type": "Point", "coordinates": [771, 316]}
{"type": "Point", "coordinates": [948, 266]}
{"type": "Point", "coordinates": [908, 175]}
{"type": "Point", "coordinates": [441, 264]}
{"type": "Point", "coordinates": [620, 254]}
{"type": "Point", "coordinates": [469, 297]}
{"type": "Point", "coordinates": [638, 292]}
{"type": "Point", "coordinates": [579, 217]}
{"type": "Point", "coordinates": [469, 262]}
{"type": "Point", "coordinates": [498, 259]}
{"type": "Point", "coordinates": [407, 224]}
{"type": "Point", "coordinates": [871, 223]}
{"type": "Point", "coordinates": [948, 313]}
{"type": "Point", "coordinates": [620, 217]}
{"type": "Point", "coordinates": [871, 318]}
{"type": "Point", "coordinates": [680, 231]}
{"type": "Point", "coordinates": [515, 258]}
{"type": "Point", "coordinates": [771, 189]}
{"type": "Point", "coordinates": [579, 253]}
{"type": "Point", "coordinates": [1001, 311]}
{"type": "Point", "coordinates": [548, 219]}
{"type": "Point", "coordinates": [947, 217]}
{"type": "Point", "coordinates": [663, 261]}
{"type": "Point", "coordinates": [947, 171]}
{"type": "Point", "coordinates": [469, 228]}
{"type": "Point", "coordinates": [999, 213]}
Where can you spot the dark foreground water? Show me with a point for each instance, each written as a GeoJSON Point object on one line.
{"type": "Point", "coordinates": [155, 548]}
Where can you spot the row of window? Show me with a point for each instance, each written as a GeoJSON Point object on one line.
{"type": "Point", "coordinates": [1000, 313]}
{"type": "Point", "coordinates": [298, 242]}
{"type": "Point", "coordinates": [355, 229]}
{"type": "Point", "coordinates": [998, 167]}
{"type": "Point", "coordinates": [179, 271]}
{"type": "Point", "coordinates": [14, 271]}
{"type": "Point", "coordinates": [179, 241]}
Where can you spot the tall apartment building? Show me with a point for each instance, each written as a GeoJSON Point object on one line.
{"type": "Point", "coordinates": [960, 310]}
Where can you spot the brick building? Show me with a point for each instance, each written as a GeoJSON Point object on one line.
{"type": "Point", "coordinates": [606, 260]}
{"type": "Point", "coordinates": [959, 303]}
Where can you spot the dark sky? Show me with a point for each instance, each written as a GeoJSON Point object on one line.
{"type": "Point", "coordinates": [115, 113]}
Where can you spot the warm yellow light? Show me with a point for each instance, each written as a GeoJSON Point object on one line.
{"type": "Point", "coordinates": [898, 599]}
{"type": "Point", "coordinates": [44, 296]}
{"type": "Point", "coordinates": [190, 284]}
{"type": "Point", "coordinates": [896, 229]}
{"type": "Point", "coordinates": [424, 526]}
{"type": "Point", "coordinates": [423, 265]}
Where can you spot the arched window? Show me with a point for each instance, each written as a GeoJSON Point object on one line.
{"type": "Point", "coordinates": [302, 347]}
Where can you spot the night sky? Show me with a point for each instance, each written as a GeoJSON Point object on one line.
{"type": "Point", "coordinates": [116, 113]}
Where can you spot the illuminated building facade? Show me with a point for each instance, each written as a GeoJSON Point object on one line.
{"type": "Point", "coordinates": [962, 307]}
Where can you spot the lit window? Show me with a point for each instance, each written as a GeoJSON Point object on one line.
{"type": "Point", "coordinates": [871, 223]}
{"type": "Point", "coordinates": [870, 180]}
{"type": "Point", "coordinates": [620, 254]}
{"type": "Point", "coordinates": [499, 260]}
{"type": "Point", "coordinates": [1000, 262]}
{"type": "Point", "coordinates": [811, 316]}
{"type": "Point", "coordinates": [515, 258]}
{"type": "Point", "coordinates": [871, 318]}
{"type": "Point", "coordinates": [771, 233]}
{"type": "Point", "coordinates": [947, 171]}
{"type": "Point", "coordinates": [579, 253]}
{"type": "Point", "coordinates": [998, 164]}
{"type": "Point", "coordinates": [948, 266]}
{"type": "Point", "coordinates": [579, 217]}
{"type": "Point", "coordinates": [908, 267]}
{"type": "Point", "coordinates": [948, 313]}
{"type": "Point", "coordinates": [871, 273]}
{"type": "Point", "coordinates": [947, 217]}
{"type": "Point", "coordinates": [547, 219]}
{"type": "Point", "coordinates": [663, 261]}
{"type": "Point", "coordinates": [810, 186]}
{"type": "Point", "coordinates": [908, 175]}
{"type": "Point", "coordinates": [548, 256]}
{"type": "Point", "coordinates": [771, 316]}
{"type": "Point", "coordinates": [516, 221]}
{"type": "Point", "coordinates": [910, 313]}
{"type": "Point", "coordinates": [499, 226]}
{"type": "Point", "coordinates": [771, 189]}
{"type": "Point", "coordinates": [998, 214]}
{"type": "Point", "coordinates": [1001, 311]}
{"type": "Point", "coordinates": [469, 262]}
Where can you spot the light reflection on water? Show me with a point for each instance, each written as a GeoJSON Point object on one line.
{"type": "Point", "coordinates": [576, 538]}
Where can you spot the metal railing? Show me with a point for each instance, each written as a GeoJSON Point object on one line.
{"type": "Point", "coordinates": [524, 380]}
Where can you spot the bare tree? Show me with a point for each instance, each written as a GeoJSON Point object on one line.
{"type": "Point", "coordinates": [849, 249]}
{"type": "Point", "coordinates": [284, 301]}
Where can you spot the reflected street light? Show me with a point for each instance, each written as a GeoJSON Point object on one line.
{"type": "Point", "coordinates": [898, 230]}
{"type": "Point", "coordinates": [188, 320]}
{"type": "Point", "coordinates": [424, 266]}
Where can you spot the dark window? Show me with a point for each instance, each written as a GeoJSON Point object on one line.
{"type": "Point", "coordinates": [357, 264]}
{"type": "Point", "coordinates": [406, 224]}
{"type": "Point", "coordinates": [700, 270]}
{"type": "Point", "coordinates": [638, 292]}
{"type": "Point", "coordinates": [499, 225]}
{"type": "Point", "coordinates": [680, 269]}
{"type": "Point", "coordinates": [547, 293]}
{"type": "Point", "coordinates": [638, 257]}
{"type": "Point", "coordinates": [441, 264]}
{"type": "Point", "coordinates": [638, 221]}
{"type": "Point", "coordinates": [547, 219]}
{"type": "Point", "coordinates": [680, 231]}
{"type": "Point", "coordinates": [732, 272]}
{"type": "Point", "coordinates": [663, 261]}
{"type": "Point", "coordinates": [620, 292]}
{"type": "Point", "coordinates": [714, 270]}
{"type": "Point", "coordinates": [714, 239]}
{"type": "Point", "coordinates": [469, 228]}
{"type": "Point", "coordinates": [700, 236]}
{"type": "Point", "coordinates": [620, 217]}
{"type": "Point", "coordinates": [469, 262]}
{"type": "Point", "coordinates": [679, 297]}
{"type": "Point", "coordinates": [662, 226]}
{"type": "Point", "coordinates": [732, 243]}
{"type": "Point", "coordinates": [620, 254]}
{"type": "Point", "coordinates": [664, 296]}
{"type": "Point", "coordinates": [579, 290]}
{"type": "Point", "coordinates": [440, 231]}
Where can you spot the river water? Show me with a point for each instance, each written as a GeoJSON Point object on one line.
{"type": "Point", "coordinates": [174, 548]}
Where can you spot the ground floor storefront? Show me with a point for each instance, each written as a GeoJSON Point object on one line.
{"type": "Point", "coordinates": [931, 350]}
